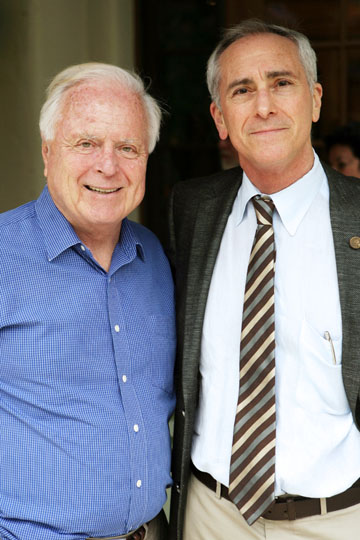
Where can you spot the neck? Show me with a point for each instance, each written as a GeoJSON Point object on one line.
{"type": "Point", "coordinates": [101, 246]}
{"type": "Point", "coordinates": [271, 183]}
{"type": "Point", "coordinates": [271, 179]}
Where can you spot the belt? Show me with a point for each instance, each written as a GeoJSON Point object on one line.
{"type": "Point", "coordinates": [288, 506]}
{"type": "Point", "coordinates": [139, 534]}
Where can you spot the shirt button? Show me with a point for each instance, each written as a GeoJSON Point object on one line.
{"type": "Point", "coordinates": [124, 378]}
{"type": "Point", "coordinates": [83, 248]}
{"type": "Point", "coordinates": [138, 483]}
{"type": "Point", "coordinates": [136, 428]}
{"type": "Point", "coordinates": [117, 328]}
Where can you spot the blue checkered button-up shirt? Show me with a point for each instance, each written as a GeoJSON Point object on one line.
{"type": "Point", "coordinates": [86, 369]}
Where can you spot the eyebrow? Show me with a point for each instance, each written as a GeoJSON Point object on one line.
{"type": "Point", "coordinates": [95, 138]}
{"type": "Point", "coordinates": [269, 75]}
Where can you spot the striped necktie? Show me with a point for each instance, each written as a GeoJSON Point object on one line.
{"type": "Point", "coordinates": [252, 469]}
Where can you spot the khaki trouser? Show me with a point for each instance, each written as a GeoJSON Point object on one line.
{"type": "Point", "coordinates": [157, 529]}
{"type": "Point", "coordinates": [210, 518]}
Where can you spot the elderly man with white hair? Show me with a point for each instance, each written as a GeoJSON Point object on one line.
{"type": "Point", "coordinates": [87, 333]}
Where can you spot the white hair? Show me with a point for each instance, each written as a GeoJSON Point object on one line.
{"type": "Point", "coordinates": [254, 27]}
{"type": "Point", "coordinates": [51, 110]}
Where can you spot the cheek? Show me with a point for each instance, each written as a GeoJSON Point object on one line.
{"type": "Point", "coordinates": [64, 178]}
{"type": "Point", "coordinates": [139, 186]}
{"type": "Point", "coordinates": [135, 172]}
{"type": "Point", "coordinates": [77, 165]}
{"type": "Point", "coordinates": [353, 169]}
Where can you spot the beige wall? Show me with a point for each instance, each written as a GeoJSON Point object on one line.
{"type": "Point", "coordinates": [38, 38]}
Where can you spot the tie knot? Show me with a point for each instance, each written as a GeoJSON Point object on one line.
{"type": "Point", "coordinates": [264, 208]}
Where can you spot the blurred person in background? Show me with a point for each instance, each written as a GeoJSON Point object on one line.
{"type": "Point", "coordinates": [343, 149]}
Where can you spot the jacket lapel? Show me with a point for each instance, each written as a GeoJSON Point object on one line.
{"type": "Point", "coordinates": [211, 218]}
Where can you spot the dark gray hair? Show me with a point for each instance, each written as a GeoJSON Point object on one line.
{"type": "Point", "coordinates": [73, 75]}
{"type": "Point", "coordinates": [253, 27]}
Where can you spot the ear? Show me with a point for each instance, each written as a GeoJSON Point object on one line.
{"type": "Point", "coordinates": [317, 95]}
{"type": "Point", "coordinates": [45, 151]}
{"type": "Point", "coordinates": [219, 121]}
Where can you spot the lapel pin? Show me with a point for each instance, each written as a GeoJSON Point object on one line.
{"type": "Point", "coordinates": [355, 242]}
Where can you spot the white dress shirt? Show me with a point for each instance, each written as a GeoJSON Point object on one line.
{"type": "Point", "coordinates": [317, 442]}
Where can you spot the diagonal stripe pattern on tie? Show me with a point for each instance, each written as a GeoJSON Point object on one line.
{"type": "Point", "coordinates": [252, 469]}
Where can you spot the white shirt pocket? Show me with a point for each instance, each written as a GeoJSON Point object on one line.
{"type": "Point", "coordinates": [320, 385]}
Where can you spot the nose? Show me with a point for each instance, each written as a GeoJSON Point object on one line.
{"type": "Point", "coordinates": [107, 163]}
{"type": "Point", "coordinates": [264, 103]}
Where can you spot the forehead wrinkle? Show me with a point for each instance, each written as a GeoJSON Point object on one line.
{"type": "Point", "coordinates": [86, 135]}
{"type": "Point", "coordinates": [100, 112]}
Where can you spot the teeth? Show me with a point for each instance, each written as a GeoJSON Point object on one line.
{"type": "Point", "coordinates": [99, 190]}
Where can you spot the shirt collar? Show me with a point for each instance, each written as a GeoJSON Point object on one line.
{"type": "Point", "coordinates": [291, 203]}
{"type": "Point", "coordinates": [59, 234]}
{"type": "Point", "coordinates": [128, 247]}
{"type": "Point", "coordinates": [57, 231]}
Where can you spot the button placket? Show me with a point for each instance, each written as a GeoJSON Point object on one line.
{"type": "Point", "coordinates": [129, 398]}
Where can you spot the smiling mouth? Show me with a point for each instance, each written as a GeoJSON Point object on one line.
{"type": "Point", "coordinates": [102, 190]}
{"type": "Point", "coordinates": [271, 130]}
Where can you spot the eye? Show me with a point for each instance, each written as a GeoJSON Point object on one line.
{"type": "Point", "coordinates": [284, 82]}
{"type": "Point", "coordinates": [240, 91]}
{"type": "Point", "coordinates": [85, 145]}
{"type": "Point", "coordinates": [129, 151]}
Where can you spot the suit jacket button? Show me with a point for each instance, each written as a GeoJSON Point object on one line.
{"type": "Point", "coordinates": [355, 242]}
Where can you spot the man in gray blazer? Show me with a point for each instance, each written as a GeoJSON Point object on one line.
{"type": "Point", "coordinates": [298, 477]}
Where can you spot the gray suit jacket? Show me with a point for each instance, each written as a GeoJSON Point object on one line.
{"type": "Point", "coordinates": [199, 210]}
